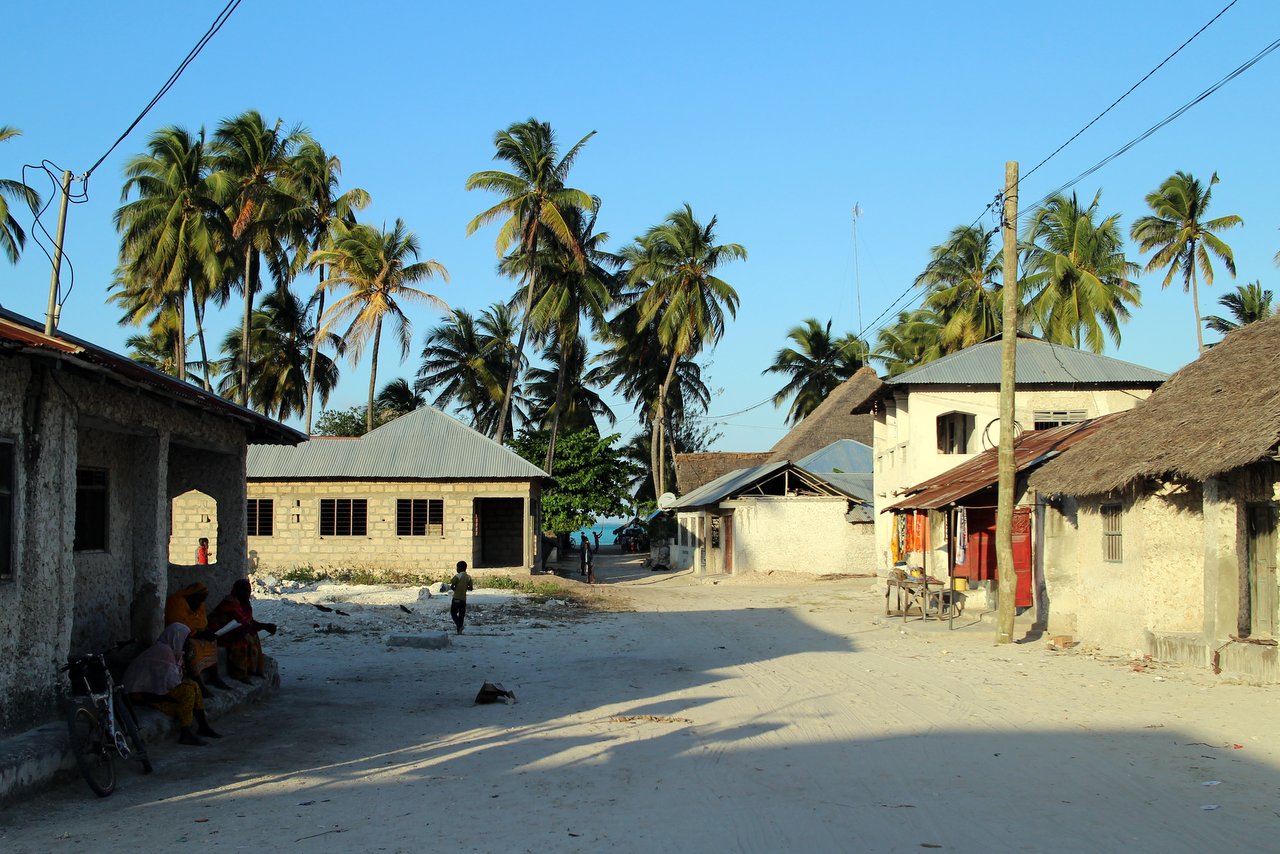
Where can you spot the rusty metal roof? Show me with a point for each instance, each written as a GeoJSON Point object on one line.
{"type": "Point", "coordinates": [25, 335]}
{"type": "Point", "coordinates": [1029, 450]}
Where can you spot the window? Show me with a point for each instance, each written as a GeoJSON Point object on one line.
{"type": "Point", "coordinates": [91, 510]}
{"type": "Point", "coordinates": [260, 517]}
{"type": "Point", "coordinates": [715, 532]}
{"type": "Point", "coordinates": [343, 517]}
{"type": "Point", "coordinates": [419, 517]}
{"type": "Point", "coordinates": [8, 521]}
{"type": "Point", "coordinates": [1044, 419]}
{"type": "Point", "coordinates": [954, 432]}
{"type": "Point", "coordinates": [1112, 534]}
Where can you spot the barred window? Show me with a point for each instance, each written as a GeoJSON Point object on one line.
{"type": "Point", "coordinates": [92, 511]}
{"type": "Point", "coordinates": [419, 517]}
{"type": "Point", "coordinates": [1047, 418]}
{"type": "Point", "coordinates": [260, 513]}
{"type": "Point", "coordinates": [344, 517]}
{"type": "Point", "coordinates": [1112, 533]}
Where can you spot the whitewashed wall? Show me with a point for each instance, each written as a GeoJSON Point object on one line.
{"type": "Point", "coordinates": [799, 534]}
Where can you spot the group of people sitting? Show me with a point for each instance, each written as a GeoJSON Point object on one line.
{"type": "Point", "coordinates": [178, 671]}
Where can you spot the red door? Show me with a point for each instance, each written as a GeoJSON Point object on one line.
{"type": "Point", "coordinates": [1022, 555]}
{"type": "Point", "coordinates": [980, 556]}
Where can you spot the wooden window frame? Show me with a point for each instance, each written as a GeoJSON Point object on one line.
{"type": "Point", "coordinates": [1112, 532]}
{"type": "Point", "coordinates": [344, 517]}
{"type": "Point", "coordinates": [258, 510]}
{"type": "Point", "coordinates": [420, 517]}
{"type": "Point", "coordinates": [955, 432]}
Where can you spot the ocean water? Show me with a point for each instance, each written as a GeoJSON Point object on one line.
{"type": "Point", "coordinates": [605, 528]}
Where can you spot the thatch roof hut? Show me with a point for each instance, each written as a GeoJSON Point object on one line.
{"type": "Point", "coordinates": [845, 414]}
{"type": "Point", "coordinates": [1219, 413]}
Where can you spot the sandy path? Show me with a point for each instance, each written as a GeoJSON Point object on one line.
{"type": "Point", "coordinates": [787, 718]}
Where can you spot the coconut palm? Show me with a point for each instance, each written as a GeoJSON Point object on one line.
{"type": "Point", "coordinates": [171, 230]}
{"type": "Point", "coordinates": [375, 265]}
{"type": "Point", "coordinates": [914, 339]}
{"type": "Point", "coordinates": [465, 363]}
{"type": "Point", "coordinates": [675, 262]}
{"type": "Point", "coordinates": [282, 336]}
{"type": "Point", "coordinates": [816, 366]}
{"type": "Point", "coordinates": [962, 280]}
{"type": "Point", "coordinates": [12, 237]}
{"type": "Point", "coordinates": [312, 180]}
{"type": "Point", "coordinates": [1078, 280]}
{"type": "Point", "coordinates": [565, 394]}
{"type": "Point", "coordinates": [156, 348]}
{"type": "Point", "coordinates": [535, 201]}
{"type": "Point", "coordinates": [252, 158]}
{"type": "Point", "coordinates": [573, 284]}
{"type": "Point", "coordinates": [1249, 304]}
{"type": "Point", "coordinates": [1182, 239]}
{"type": "Point", "coordinates": [400, 397]}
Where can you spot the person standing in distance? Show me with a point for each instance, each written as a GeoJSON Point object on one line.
{"type": "Point", "coordinates": [461, 583]}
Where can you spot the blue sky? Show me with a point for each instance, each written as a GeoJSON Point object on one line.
{"type": "Point", "coordinates": [775, 118]}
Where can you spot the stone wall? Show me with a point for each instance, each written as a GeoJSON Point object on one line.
{"type": "Point", "coordinates": [799, 534]}
{"type": "Point", "coordinates": [296, 543]}
{"type": "Point", "coordinates": [61, 415]}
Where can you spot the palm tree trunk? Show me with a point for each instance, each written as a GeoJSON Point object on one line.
{"type": "Point", "coordinates": [1195, 304]}
{"type": "Point", "coordinates": [315, 349]}
{"type": "Point", "coordinates": [373, 374]}
{"type": "Point", "coordinates": [656, 438]}
{"type": "Point", "coordinates": [244, 330]}
{"type": "Point", "coordinates": [501, 429]}
{"type": "Point", "coordinates": [670, 436]}
{"type": "Point", "coordinates": [198, 309]}
{"type": "Point", "coordinates": [561, 382]}
{"type": "Point", "coordinates": [180, 346]}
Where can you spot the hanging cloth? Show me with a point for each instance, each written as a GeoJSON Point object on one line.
{"type": "Point", "coordinates": [898, 538]}
{"type": "Point", "coordinates": [962, 535]}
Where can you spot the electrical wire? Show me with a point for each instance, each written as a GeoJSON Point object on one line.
{"type": "Point", "coordinates": [168, 84]}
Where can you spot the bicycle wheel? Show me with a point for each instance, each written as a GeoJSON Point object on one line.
{"type": "Point", "coordinates": [92, 750]}
{"type": "Point", "coordinates": [129, 723]}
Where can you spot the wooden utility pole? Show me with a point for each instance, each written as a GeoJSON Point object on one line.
{"type": "Point", "coordinates": [1007, 579]}
{"type": "Point", "coordinates": [51, 315]}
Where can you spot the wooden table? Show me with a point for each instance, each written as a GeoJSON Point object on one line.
{"type": "Point", "coordinates": [918, 594]}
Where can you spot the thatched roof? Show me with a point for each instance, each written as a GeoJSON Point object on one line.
{"type": "Point", "coordinates": [695, 470]}
{"type": "Point", "coordinates": [845, 414]}
{"type": "Point", "coordinates": [1218, 413]}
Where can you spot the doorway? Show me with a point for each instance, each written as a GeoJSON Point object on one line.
{"type": "Point", "coordinates": [1258, 592]}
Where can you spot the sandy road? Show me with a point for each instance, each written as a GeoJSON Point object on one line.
{"type": "Point", "coordinates": [712, 717]}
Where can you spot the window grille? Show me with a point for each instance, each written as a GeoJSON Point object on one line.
{"type": "Point", "coordinates": [1045, 419]}
{"type": "Point", "coordinates": [1112, 533]}
{"type": "Point", "coordinates": [419, 517]}
{"type": "Point", "coordinates": [343, 517]}
{"type": "Point", "coordinates": [260, 517]}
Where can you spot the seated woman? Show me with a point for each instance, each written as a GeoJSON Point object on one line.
{"type": "Point", "coordinates": [187, 607]}
{"type": "Point", "coordinates": [244, 649]}
{"type": "Point", "coordinates": [157, 678]}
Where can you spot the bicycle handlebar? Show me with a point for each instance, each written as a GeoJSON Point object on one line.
{"type": "Point", "coordinates": [115, 648]}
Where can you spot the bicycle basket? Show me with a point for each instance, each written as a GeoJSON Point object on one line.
{"type": "Point", "coordinates": [89, 670]}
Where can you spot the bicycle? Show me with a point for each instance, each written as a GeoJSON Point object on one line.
{"type": "Point", "coordinates": [101, 722]}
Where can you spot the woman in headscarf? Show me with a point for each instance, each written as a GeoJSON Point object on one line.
{"type": "Point", "coordinates": [157, 678]}
{"type": "Point", "coordinates": [186, 606]}
{"type": "Point", "coordinates": [244, 648]}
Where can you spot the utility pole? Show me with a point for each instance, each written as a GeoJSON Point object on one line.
{"type": "Point", "coordinates": [50, 317]}
{"type": "Point", "coordinates": [1006, 578]}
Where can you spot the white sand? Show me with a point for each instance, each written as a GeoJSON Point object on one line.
{"type": "Point", "coordinates": [733, 717]}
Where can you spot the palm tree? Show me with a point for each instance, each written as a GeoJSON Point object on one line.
{"type": "Point", "coordinates": [1181, 238]}
{"type": "Point", "coordinates": [1078, 278]}
{"type": "Point", "coordinates": [156, 349]}
{"type": "Point", "coordinates": [1249, 304]}
{"type": "Point", "coordinates": [465, 363]}
{"type": "Point", "coordinates": [282, 336]}
{"type": "Point", "coordinates": [565, 394]}
{"type": "Point", "coordinates": [676, 262]}
{"type": "Point", "coordinates": [375, 266]}
{"type": "Point", "coordinates": [170, 232]}
{"type": "Point", "coordinates": [312, 180]}
{"type": "Point", "coordinates": [914, 339]}
{"type": "Point", "coordinates": [963, 290]}
{"type": "Point", "coordinates": [399, 397]}
{"type": "Point", "coordinates": [12, 237]}
{"type": "Point", "coordinates": [252, 157]}
{"type": "Point", "coordinates": [535, 199]}
{"type": "Point", "coordinates": [572, 284]}
{"type": "Point", "coordinates": [816, 366]}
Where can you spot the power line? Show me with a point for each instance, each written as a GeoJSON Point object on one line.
{"type": "Point", "coordinates": [168, 84]}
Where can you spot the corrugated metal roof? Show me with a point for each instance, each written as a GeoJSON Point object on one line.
{"type": "Point", "coordinates": [426, 444]}
{"type": "Point", "coordinates": [24, 334]}
{"type": "Point", "coordinates": [1030, 449]}
{"type": "Point", "coordinates": [842, 455]}
{"type": "Point", "coordinates": [736, 481]}
{"type": "Point", "coordinates": [1039, 363]}
{"type": "Point", "coordinates": [860, 485]}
